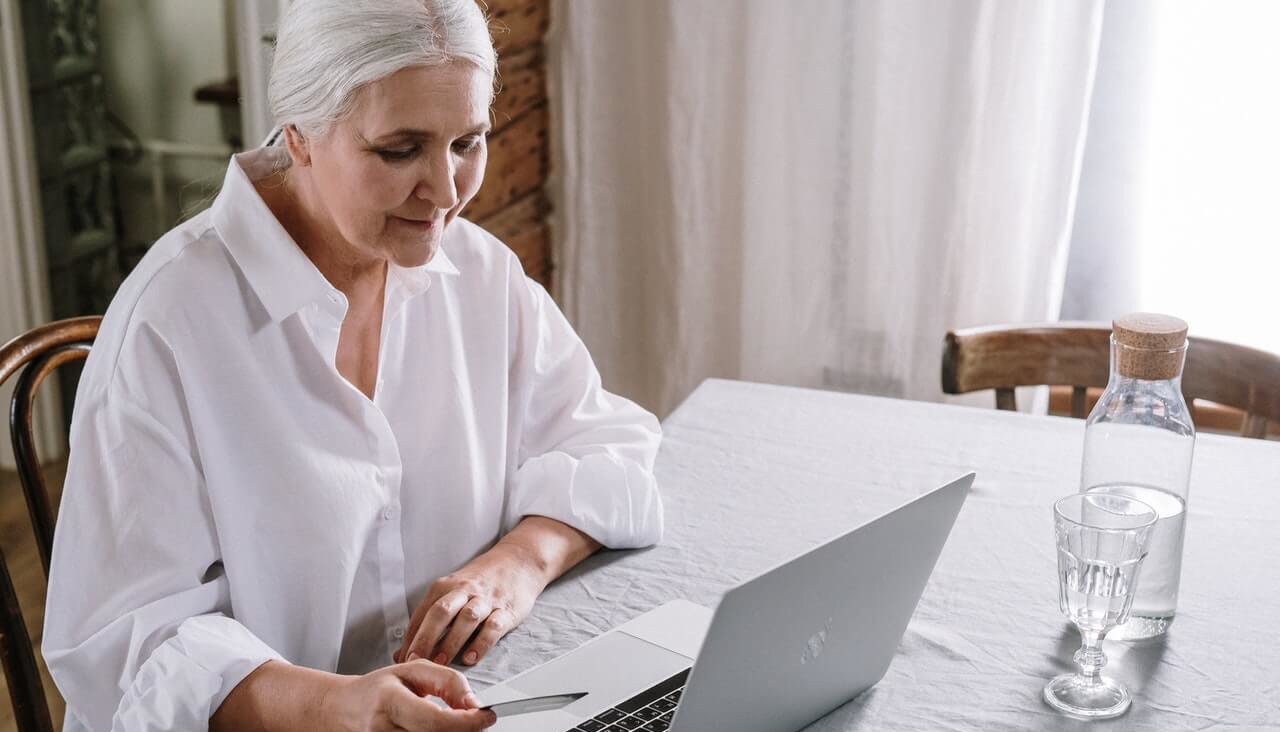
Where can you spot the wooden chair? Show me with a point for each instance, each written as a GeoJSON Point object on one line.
{"type": "Point", "coordinates": [1078, 355]}
{"type": "Point", "coordinates": [41, 351]}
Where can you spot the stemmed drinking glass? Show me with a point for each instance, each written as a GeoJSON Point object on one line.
{"type": "Point", "coordinates": [1102, 540]}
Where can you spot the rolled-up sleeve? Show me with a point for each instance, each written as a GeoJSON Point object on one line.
{"type": "Point", "coordinates": [585, 456]}
{"type": "Point", "coordinates": [138, 630]}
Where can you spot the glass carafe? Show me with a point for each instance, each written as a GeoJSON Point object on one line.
{"type": "Point", "coordinates": [1139, 441]}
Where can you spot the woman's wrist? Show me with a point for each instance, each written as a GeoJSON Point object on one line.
{"type": "Point", "coordinates": [281, 696]}
{"type": "Point", "coordinates": [526, 556]}
{"type": "Point", "coordinates": [328, 714]}
{"type": "Point", "coordinates": [546, 546]}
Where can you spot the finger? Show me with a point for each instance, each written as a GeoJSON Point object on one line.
{"type": "Point", "coordinates": [464, 626]}
{"type": "Point", "coordinates": [409, 632]}
{"type": "Point", "coordinates": [434, 623]}
{"type": "Point", "coordinates": [499, 623]}
{"type": "Point", "coordinates": [424, 678]}
{"type": "Point", "coordinates": [434, 593]}
{"type": "Point", "coordinates": [421, 715]}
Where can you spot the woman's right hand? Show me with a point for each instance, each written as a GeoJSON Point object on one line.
{"type": "Point", "coordinates": [393, 699]}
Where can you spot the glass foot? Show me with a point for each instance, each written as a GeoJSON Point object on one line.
{"type": "Point", "coordinates": [1084, 697]}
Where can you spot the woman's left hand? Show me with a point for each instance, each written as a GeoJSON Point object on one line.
{"type": "Point", "coordinates": [486, 598]}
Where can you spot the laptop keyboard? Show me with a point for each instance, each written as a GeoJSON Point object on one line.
{"type": "Point", "coordinates": [649, 711]}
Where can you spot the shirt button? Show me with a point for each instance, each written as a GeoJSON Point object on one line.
{"type": "Point", "coordinates": [387, 514]}
{"type": "Point", "coordinates": [397, 632]}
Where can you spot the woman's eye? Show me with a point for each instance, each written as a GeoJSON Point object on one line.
{"type": "Point", "coordinates": [397, 153]}
{"type": "Point", "coordinates": [467, 145]}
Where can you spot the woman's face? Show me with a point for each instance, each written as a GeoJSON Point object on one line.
{"type": "Point", "coordinates": [401, 166]}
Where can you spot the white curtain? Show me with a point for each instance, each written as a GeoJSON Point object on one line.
{"type": "Point", "coordinates": [1178, 190]}
{"type": "Point", "coordinates": [811, 192]}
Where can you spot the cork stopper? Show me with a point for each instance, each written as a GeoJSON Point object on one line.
{"type": "Point", "coordinates": [1149, 345]}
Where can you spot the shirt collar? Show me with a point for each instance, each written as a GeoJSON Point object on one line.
{"type": "Point", "coordinates": [416, 280]}
{"type": "Point", "coordinates": [280, 273]}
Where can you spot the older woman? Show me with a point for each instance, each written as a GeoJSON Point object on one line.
{"type": "Point", "coordinates": [331, 437]}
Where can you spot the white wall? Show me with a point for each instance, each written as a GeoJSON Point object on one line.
{"type": "Point", "coordinates": [154, 55]}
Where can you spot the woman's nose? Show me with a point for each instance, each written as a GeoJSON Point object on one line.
{"type": "Point", "coordinates": [436, 185]}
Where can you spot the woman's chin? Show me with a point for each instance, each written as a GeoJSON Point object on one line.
{"type": "Point", "coordinates": [411, 249]}
{"type": "Point", "coordinates": [416, 255]}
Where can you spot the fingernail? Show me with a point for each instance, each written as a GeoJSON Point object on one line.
{"type": "Point", "coordinates": [470, 657]}
{"type": "Point", "coordinates": [441, 659]}
{"type": "Point", "coordinates": [413, 656]}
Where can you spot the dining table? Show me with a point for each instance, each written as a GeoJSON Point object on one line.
{"type": "Point", "coordinates": [752, 475]}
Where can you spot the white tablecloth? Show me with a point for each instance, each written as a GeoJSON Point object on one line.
{"type": "Point", "coordinates": [753, 474]}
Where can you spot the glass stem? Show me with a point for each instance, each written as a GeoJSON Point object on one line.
{"type": "Point", "coordinates": [1090, 657]}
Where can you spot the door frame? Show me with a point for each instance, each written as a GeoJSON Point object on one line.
{"type": "Point", "coordinates": [24, 279]}
{"type": "Point", "coordinates": [255, 31]}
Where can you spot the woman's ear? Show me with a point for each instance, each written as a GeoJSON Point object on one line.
{"type": "Point", "coordinates": [298, 146]}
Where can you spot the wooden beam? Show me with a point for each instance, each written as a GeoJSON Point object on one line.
{"type": "Point", "coordinates": [517, 218]}
{"type": "Point", "coordinates": [522, 85]}
{"type": "Point", "coordinates": [532, 247]}
{"type": "Point", "coordinates": [518, 24]}
{"type": "Point", "coordinates": [523, 227]}
{"type": "Point", "coordinates": [511, 204]}
{"type": "Point", "coordinates": [518, 164]}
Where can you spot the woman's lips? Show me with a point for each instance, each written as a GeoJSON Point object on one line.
{"type": "Point", "coordinates": [421, 224]}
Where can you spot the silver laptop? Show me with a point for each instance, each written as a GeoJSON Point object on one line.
{"type": "Point", "coordinates": [779, 652]}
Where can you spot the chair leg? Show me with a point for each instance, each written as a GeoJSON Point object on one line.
{"type": "Point", "coordinates": [1078, 394]}
{"type": "Point", "coordinates": [1255, 426]}
{"type": "Point", "coordinates": [1006, 399]}
{"type": "Point", "coordinates": [26, 691]}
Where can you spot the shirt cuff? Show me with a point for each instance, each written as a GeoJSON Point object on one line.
{"type": "Point", "coordinates": [187, 677]}
{"type": "Point", "coordinates": [612, 500]}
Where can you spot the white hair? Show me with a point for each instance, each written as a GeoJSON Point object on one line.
{"type": "Point", "coordinates": [327, 50]}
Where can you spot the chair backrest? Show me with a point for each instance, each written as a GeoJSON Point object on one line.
{"type": "Point", "coordinates": [1078, 355]}
{"type": "Point", "coordinates": [41, 351]}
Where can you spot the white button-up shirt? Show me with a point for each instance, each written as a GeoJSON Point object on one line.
{"type": "Point", "coordinates": [231, 498]}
